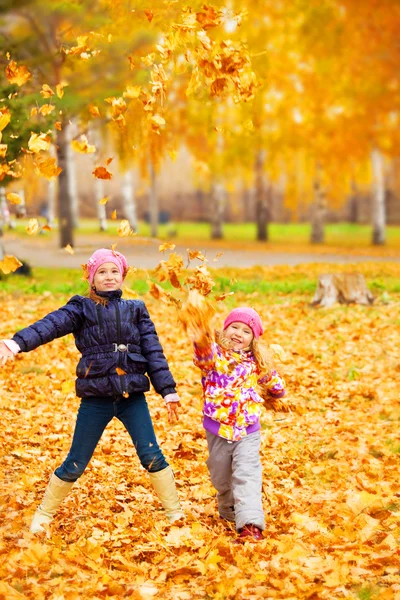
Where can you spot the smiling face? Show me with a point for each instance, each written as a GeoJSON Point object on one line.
{"type": "Point", "coordinates": [239, 334]}
{"type": "Point", "coordinates": [107, 278]}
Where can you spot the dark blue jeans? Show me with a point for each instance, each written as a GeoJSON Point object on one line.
{"type": "Point", "coordinates": [94, 414]}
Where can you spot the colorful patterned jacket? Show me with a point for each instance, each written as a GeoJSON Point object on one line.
{"type": "Point", "coordinates": [232, 406]}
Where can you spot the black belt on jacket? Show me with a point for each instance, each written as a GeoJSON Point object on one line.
{"type": "Point", "coordinates": [111, 348]}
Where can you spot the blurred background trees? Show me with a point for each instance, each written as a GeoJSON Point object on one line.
{"type": "Point", "coordinates": [252, 110]}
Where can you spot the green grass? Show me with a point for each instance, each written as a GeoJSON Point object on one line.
{"type": "Point", "coordinates": [339, 234]}
{"type": "Point", "coordinates": [67, 282]}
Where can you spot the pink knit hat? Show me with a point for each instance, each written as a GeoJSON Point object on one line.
{"type": "Point", "coordinates": [248, 316]}
{"type": "Point", "coordinates": [103, 256]}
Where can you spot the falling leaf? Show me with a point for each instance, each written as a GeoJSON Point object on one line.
{"type": "Point", "coordinates": [217, 256]}
{"type": "Point", "coordinates": [114, 215]}
{"type": "Point", "coordinates": [149, 14]}
{"type": "Point", "coordinates": [9, 264]}
{"type": "Point", "coordinates": [47, 168]}
{"type": "Point", "coordinates": [102, 173]}
{"type": "Point", "coordinates": [60, 89]}
{"type": "Point", "coordinates": [13, 198]}
{"type": "Point", "coordinates": [33, 227]}
{"type": "Point", "coordinates": [128, 293]}
{"type": "Point", "coordinates": [17, 75]}
{"type": "Point", "coordinates": [68, 248]}
{"type": "Point", "coordinates": [104, 200]}
{"type": "Point", "coordinates": [108, 161]}
{"type": "Point", "coordinates": [173, 154]}
{"type": "Point", "coordinates": [58, 125]}
{"type": "Point", "coordinates": [124, 228]}
{"type": "Point", "coordinates": [120, 371]}
{"type": "Point", "coordinates": [5, 118]}
{"type": "Point", "coordinates": [46, 228]}
{"type": "Point", "coordinates": [82, 145]}
{"type": "Point", "coordinates": [39, 142]}
{"type": "Point", "coordinates": [46, 91]}
{"type": "Point", "coordinates": [166, 246]}
{"type": "Point", "coordinates": [94, 111]}
{"type": "Point", "coordinates": [193, 254]}
{"type": "Point", "coordinates": [278, 352]}
{"type": "Point", "coordinates": [132, 91]}
{"type": "Point", "coordinates": [3, 150]}
{"type": "Point", "coordinates": [46, 109]}
{"type": "Point", "coordinates": [223, 296]}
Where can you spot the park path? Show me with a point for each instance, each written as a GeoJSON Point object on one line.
{"type": "Point", "coordinates": [144, 253]}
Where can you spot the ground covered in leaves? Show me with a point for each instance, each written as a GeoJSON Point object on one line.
{"type": "Point", "coordinates": [331, 471]}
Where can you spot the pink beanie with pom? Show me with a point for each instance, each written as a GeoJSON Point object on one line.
{"type": "Point", "coordinates": [248, 316]}
{"type": "Point", "coordinates": [104, 256]}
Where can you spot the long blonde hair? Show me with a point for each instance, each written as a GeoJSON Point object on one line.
{"type": "Point", "coordinates": [261, 354]}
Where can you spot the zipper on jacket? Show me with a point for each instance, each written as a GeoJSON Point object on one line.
{"type": "Point", "coordinates": [100, 317]}
{"type": "Point", "coordinates": [122, 377]}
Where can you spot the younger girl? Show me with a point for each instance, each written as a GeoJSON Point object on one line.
{"type": "Point", "coordinates": [119, 345]}
{"type": "Point", "coordinates": [232, 367]}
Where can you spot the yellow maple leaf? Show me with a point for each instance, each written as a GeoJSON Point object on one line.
{"type": "Point", "coordinates": [166, 246]}
{"type": "Point", "coordinates": [33, 227]}
{"type": "Point", "coordinates": [124, 228]}
{"type": "Point", "coordinates": [60, 89]}
{"type": "Point", "coordinates": [9, 264]}
{"type": "Point", "coordinates": [47, 168]}
{"type": "Point", "coordinates": [82, 145]}
{"type": "Point", "coordinates": [104, 200]}
{"type": "Point", "coordinates": [13, 198]}
{"type": "Point", "coordinates": [132, 91]}
{"type": "Point", "coordinates": [17, 75]}
{"type": "Point", "coordinates": [94, 111]}
{"type": "Point", "coordinates": [38, 142]}
{"type": "Point", "coordinates": [46, 109]}
{"type": "Point", "coordinates": [5, 118]}
{"type": "Point", "coordinates": [46, 91]}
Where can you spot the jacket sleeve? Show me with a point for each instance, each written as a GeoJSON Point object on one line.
{"type": "Point", "coordinates": [273, 385]}
{"type": "Point", "coordinates": [67, 319]}
{"type": "Point", "coordinates": [205, 354]}
{"type": "Point", "coordinates": [157, 366]}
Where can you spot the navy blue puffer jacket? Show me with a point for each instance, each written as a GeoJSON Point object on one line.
{"type": "Point", "coordinates": [120, 334]}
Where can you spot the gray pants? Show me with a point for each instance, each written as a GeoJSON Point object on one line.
{"type": "Point", "coordinates": [235, 470]}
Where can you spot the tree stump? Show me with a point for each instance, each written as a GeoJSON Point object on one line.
{"type": "Point", "coordinates": [345, 288]}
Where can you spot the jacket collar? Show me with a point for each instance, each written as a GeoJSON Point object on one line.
{"type": "Point", "coordinates": [112, 295]}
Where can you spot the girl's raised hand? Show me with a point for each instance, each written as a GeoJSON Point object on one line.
{"type": "Point", "coordinates": [172, 401]}
{"type": "Point", "coordinates": [5, 353]}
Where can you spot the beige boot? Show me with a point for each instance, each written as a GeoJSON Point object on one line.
{"type": "Point", "coordinates": [164, 486]}
{"type": "Point", "coordinates": [55, 493]}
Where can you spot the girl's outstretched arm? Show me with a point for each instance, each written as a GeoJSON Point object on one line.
{"type": "Point", "coordinates": [58, 323]}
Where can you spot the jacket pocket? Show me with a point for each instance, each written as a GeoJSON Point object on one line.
{"type": "Point", "coordinates": [96, 367]}
{"type": "Point", "coordinates": [138, 362]}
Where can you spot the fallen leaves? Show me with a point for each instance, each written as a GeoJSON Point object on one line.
{"type": "Point", "coordinates": [330, 481]}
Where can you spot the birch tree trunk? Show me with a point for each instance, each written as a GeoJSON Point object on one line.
{"type": "Point", "coordinates": [128, 199]}
{"type": "Point", "coordinates": [378, 201]}
{"type": "Point", "coordinates": [318, 211]}
{"type": "Point", "coordinates": [261, 197]}
{"type": "Point", "coordinates": [153, 202]}
{"type": "Point", "coordinates": [64, 197]}
{"type": "Point", "coordinates": [217, 201]}
{"type": "Point", "coordinates": [71, 131]}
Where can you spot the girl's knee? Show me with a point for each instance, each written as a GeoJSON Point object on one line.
{"type": "Point", "coordinates": [70, 472]}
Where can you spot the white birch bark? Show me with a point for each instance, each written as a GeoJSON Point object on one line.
{"type": "Point", "coordinates": [378, 200]}
{"type": "Point", "coordinates": [71, 132]}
